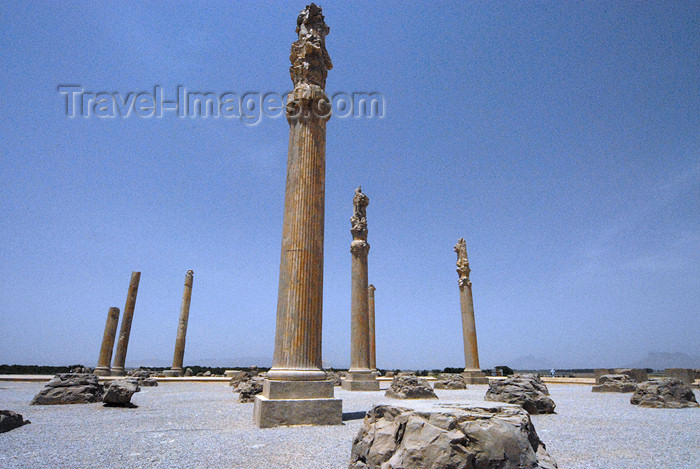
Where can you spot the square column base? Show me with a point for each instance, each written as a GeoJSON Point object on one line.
{"type": "Point", "coordinates": [284, 412]}
{"type": "Point", "coordinates": [367, 385]}
{"type": "Point", "coordinates": [284, 403]}
{"type": "Point", "coordinates": [475, 377]}
{"type": "Point", "coordinates": [102, 371]}
{"type": "Point", "coordinates": [173, 373]}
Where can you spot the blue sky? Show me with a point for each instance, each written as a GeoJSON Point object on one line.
{"type": "Point", "coordinates": [561, 139]}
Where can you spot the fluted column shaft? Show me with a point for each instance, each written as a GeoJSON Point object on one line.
{"type": "Point", "coordinates": [360, 344]}
{"type": "Point", "coordinates": [466, 303]}
{"type": "Point", "coordinates": [105, 358]}
{"type": "Point", "coordinates": [471, 349]}
{"type": "Point", "coordinates": [372, 340]}
{"type": "Point", "coordinates": [125, 330]}
{"type": "Point", "coordinates": [179, 354]}
{"type": "Point", "coordinates": [300, 294]}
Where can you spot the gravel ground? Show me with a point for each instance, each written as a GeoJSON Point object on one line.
{"type": "Point", "coordinates": [201, 425]}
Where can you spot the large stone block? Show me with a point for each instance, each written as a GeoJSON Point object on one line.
{"type": "Point", "coordinates": [664, 393]}
{"type": "Point", "coordinates": [284, 412]}
{"type": "Point", "coordinates": [450, 436]}
{"type": "Point", "coordinates": [356, 385]}
{"type": "Point", "coordinates": [475, 377]}
{"type": "Point", "coordinates": [298, 389]}
{"type": "Point", "coordinates": [684, 374]}
{"type": "Point", "coordinates": [636, 374]}
{"type": "Point", "coordinates": [527, 391]}
{"type": "Point", "coordinates": [598, 372]}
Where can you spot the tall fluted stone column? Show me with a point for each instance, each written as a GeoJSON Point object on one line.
{"type": "Point", "coordinates": [472, 371]}
{"type": "Point", "coordinates": [125, 330]}
{"type": "Point", "coordinates": [105, 358]}
{"type": "Point", "coordinates": [179, 354]}
{"type": "Point", "coordinates": [372, 339]}
{"type": "Point", "coordinates": [360, 376]}
{"type": "Point", "coordinates": [296, 390]}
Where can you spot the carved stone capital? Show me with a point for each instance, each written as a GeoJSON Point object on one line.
{"type": "Point", "coordinates": [358, 221]}
{"type": "Point", "coordinates": [307, 103]}
{"type": "Point", "coordinates": [309, 57]}
{"type": "Point", "coordinates": [463, 269]}
{"type": "Point", "coordinates": [465, 282]}
{"type": "Point", "coordinates": [359, 247]}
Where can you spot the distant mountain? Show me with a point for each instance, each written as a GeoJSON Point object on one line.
{"type": "Point", "coordinates": [212, 362]}
{"type": "Point", "coordinates": [235, 361]}
{"type": "Point", "coordinates": [530, 362]}
{"type": "Point", "coordinates": [662, 360]}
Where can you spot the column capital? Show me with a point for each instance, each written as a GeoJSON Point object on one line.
{"type": "Point", "coordinates": [359, 247]}
{"type": "Point", "coordinates": [310, 65]}
{"type": "Point", "coordinates": [307, 103]}
{"type": "Point", "coordinates": [358, 221]}
{"type": "Point", "coordinates": [463, 269]}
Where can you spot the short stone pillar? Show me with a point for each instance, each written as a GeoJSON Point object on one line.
{"type": "Point", "coordinates": [125, 330]}
{"type": "Point", "coordinates": [296, 391]}
{"type": "Point", "coordinates": [105, 358]}
{"type": "Point", "coordinates": [686, 375]}
{"type": "Point", "coordinates": [360, 376]}
{"type": "Point", "coordinates": [472, 371]}
{"type": "Point", "coordinates": [598, 372]}
{"type": "Point", "coordinates": [372, 339]}
{"type": "Point", "coordinates": [179, 354]}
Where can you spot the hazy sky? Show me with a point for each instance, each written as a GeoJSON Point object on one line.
{"type": "Point", "coordinates": [561, 139]}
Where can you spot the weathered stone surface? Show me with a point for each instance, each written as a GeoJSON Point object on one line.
{"type": "Point", "coordinates": [189, 372]}
{"type": "Point", "coordinates": [527, 391]}
{"type": "Point", "coordinates": [466, 437]}
{"type": "Point", "coordinates": [686, 375]}
{"type": "Point", "coordinates": [238, 376]}
{"type": "Point", "coordinates": [10, 420]}
{"type": "Point", "coordinates": [119, 393]}
{"type": "Point", "coordinates": [335, 377]}
{"type": "Point", "coordinates": [81, 369]}
{"type": "Point", "coordinates": [249, 389]}
{"type": "Point", "coordinates": [450, 381]}
{"type": "Point", "coordinates": [598, 372]}
{"type": "Point", "coordinates": [70, 388]}
{"type": "Point", "coordinates": [638, 375]}
{"type": "Point", "coordinates": [141, 373]}
{"type": "Point", "coordinates": [309, 57]}
{"type": "Point", "coordinates": [410, 387]}
{"type": "Point", "coordinates": [668, 393]}
{"type": "Point", "coordinates": [615, 383]}
{"type": "Point", "coordinates": [148, 382]}
{"type": "Point", "coordinates": [283, 412]}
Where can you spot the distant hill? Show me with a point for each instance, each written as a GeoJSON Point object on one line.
{"type": "Point", "coordinates": [662, 360]}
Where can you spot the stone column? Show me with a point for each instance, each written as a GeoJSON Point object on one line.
{"type": "Point", "coordinates": [372, 340]}
{"type": "Point", "coordinates": [360, 376]}
{"type": "Point", "coordinates": [179, 354]}
{"type": "Point", "coordinates": [125, 330]}
{"type": "Point", "coordinates": [105, 358]}
{"type": "Point", "coordinates": [472, 371]}
{"type": "Point", "coordinates": [296, 390]}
